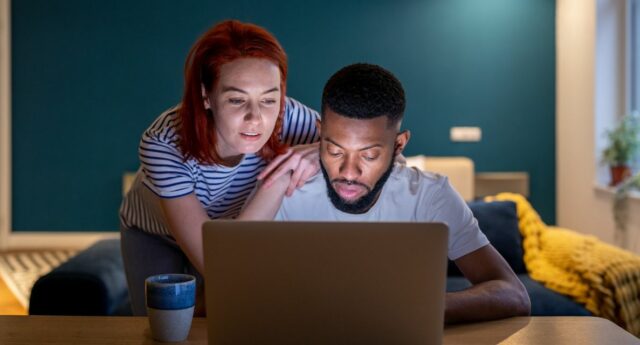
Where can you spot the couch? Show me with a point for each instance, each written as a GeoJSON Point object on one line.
{"type": "Point", "coordinates": [499, 221]}
{"type": "Point", "coordinates": [93, 282]}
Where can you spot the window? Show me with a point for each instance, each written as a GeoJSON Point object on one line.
{"type": "Point", "coordinates": [633, 64]}
{"type": "Point", "coordinates": [634, 56]}
{"type": "Point", "coordinates": [617, 73]}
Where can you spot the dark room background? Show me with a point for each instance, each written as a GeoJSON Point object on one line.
{"type": "Point", "coordinates": [90, 76]}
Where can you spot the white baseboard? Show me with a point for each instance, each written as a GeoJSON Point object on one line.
{"type": "Point", "coordinates": [54, 240]}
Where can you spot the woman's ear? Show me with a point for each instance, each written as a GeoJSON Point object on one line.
{"type": "Point", "coordinates": [401, 141]}
{"type": "Point", "coordinates": [205, 97]}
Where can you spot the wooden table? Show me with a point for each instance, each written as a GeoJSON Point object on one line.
{"type": "Point", "coordinates": [135, 330]}
{"type": "Point", "coordinates": [571, 330]}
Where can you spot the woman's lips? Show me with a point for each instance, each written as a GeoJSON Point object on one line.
{"type": "Point", "coordinates": [250, 136]}
{"type": "Point", "coordinates": [349, 192]}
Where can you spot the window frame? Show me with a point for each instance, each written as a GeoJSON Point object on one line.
{"type": "Point", "coordinates": [632, 44]}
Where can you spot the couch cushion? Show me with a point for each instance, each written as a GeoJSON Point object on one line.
{"type": "Point", "coordinates": [544, 301]}
{"type": "Point", "coordinates": [91, 283]}
{"type": "Point", "coordinates": [549, 302]}
{"type": "Point", "coordinates": [498, 220]}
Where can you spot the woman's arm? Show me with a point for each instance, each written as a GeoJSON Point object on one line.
{"type": "Point", "coordinates": [185, 217]}
{"type": "Point", "coordinates": [265, 202]}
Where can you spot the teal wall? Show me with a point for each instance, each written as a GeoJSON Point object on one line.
{"type": "Point", "coordinates": [89, 76]}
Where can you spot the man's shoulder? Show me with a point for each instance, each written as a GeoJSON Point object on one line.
{"type": "Point", "coordinates": [306, 202]}
{"type": "Point", "coordinates": [314, 187]}
{"type": "Point", "coordinates": [413, 180]}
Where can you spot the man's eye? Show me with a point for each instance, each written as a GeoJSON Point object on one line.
{"type": "Point", "coordinates": [236, 101]}
{"type": "Point", "coordinates": [370, 158]}
{"type": "Point", "coordinates": [335, 154]}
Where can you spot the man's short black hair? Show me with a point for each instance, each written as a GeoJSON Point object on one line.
{"type": "Point", "coordinates": [364, 91]}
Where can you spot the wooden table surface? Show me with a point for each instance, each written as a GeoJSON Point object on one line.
{"type": "Point", "coordinates": [135, 330]}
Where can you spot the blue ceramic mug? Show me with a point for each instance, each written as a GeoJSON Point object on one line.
{"type": "Point", "coordinates": [170, 300]}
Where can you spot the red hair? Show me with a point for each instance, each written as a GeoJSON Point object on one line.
{"type": "Point", "coordinates": [223, 43]}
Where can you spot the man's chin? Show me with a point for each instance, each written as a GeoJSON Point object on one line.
{"type": "Point", "coordinates": [354, 205]}
{"type": "Point", "coordinates": [351, 201]}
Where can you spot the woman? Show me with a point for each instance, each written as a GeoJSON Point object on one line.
{"type": "Point", "coordinates": [201, 159]}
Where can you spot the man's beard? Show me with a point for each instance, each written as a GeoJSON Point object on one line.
{"type": "Point", "coordinates": [364, 203]}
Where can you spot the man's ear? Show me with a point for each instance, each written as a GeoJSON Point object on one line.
{"type": "Point", "coordinates": [402, 139]}
{"type": "Point", "coordinates": [319, 126]}
{"type": "Point", "coordinates": [205, 97]}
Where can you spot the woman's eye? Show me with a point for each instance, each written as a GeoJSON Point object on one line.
{"type": "Point", "coordinates": [269, 101]}
{"type": "Point", "coordinates": [334, 154]}
{"type": "Point", "coordinates": [236, 101]}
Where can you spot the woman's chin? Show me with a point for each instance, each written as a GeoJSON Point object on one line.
{"type": "Point", "coordinates": [251, 147]}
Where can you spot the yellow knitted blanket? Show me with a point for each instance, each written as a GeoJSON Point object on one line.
{"type": "Point", "coordinates": [604, 278]}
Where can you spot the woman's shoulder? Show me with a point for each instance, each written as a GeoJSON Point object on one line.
{"type": "Point", "coordinates": [295, 108]}
{"type": "Point", "coordinates": [161, 138]}
{"type": "Point", "coordinates": [292, 102]}
{"type": "Point", "coordinates": [299, 123]}
{"type": "Point", "coordinates": [165, 127]}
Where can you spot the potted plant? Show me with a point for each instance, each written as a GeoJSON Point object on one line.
{"type": "Point", "coordinates": [624, 143]}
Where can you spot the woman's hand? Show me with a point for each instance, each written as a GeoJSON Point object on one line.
{"type": "Point", "coordinates": [302, 160]}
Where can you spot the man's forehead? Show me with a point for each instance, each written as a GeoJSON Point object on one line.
{"type": "Point", "coordinates": [331, 118]}
{"type": "Point", "coordinates": [355, 143]}
{"type": "Point", "coordinates": [356, 134]}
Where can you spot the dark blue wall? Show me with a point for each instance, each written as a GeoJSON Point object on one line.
{"type": "Point", "coordinates": [89, 76]}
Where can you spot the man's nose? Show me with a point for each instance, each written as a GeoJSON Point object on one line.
{"type": "Point", "coordinates": [350, 169]}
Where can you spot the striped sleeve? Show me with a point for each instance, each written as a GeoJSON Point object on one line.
{"type": "Point", "coordinates": [165, 171]}
{"type": "Point", "coordinates": [299, 125]}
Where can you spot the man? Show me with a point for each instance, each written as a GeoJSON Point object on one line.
{"type": "Point", "coordinates": [360, 138]}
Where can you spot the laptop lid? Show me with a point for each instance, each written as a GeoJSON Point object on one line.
{"type": "Point", "coordinates": [324, 282]}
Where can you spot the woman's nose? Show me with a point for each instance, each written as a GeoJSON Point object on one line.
{"type": "Point", "coordinates": [253, 115]}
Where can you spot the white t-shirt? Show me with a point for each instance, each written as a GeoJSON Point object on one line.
{"type": "Point", "coordinates": [409, 195]}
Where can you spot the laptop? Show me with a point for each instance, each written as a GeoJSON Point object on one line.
{"type": "Point", "coordinates": [324, 282]}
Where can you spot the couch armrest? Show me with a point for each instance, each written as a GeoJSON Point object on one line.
{"type": "Point", "coordinates": [91, 283]}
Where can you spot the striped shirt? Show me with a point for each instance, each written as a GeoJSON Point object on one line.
{"type": "Point", "coordinates": [221, 190]}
